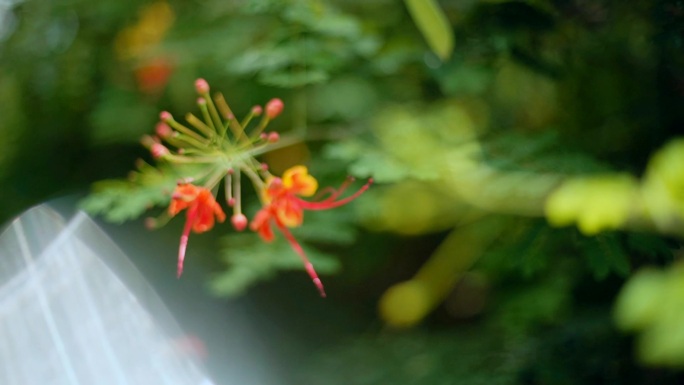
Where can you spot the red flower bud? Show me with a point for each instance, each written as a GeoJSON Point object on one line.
{"type": "Point", "coordinates": [165, 116]}
{"type": "Point", "coordinates": [273, 137]}
{"type": "Point", "coordinates": [257, 110]}
{"type": "Point", "coordinates": [274, 107]}
{"type": "Point", "coordinates": [239, 221]}
{"type": "Point", "coordinates": [158, 150]}
{"type": "Point", "coordinates": [163, 130]}
{"type": "Point", "coordinates": [201, 86]}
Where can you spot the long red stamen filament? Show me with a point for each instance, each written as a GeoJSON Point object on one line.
{"type": "Point", "coordinates": [307, 264]}
{"type": "Point", "coordinates": [333, 193]}
{"type": "Point", "coordinates": [328, 204]}
{"type": "Point", "coordinates": [184, 239]}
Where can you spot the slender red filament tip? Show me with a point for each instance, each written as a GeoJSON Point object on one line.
{"type": "Point", "coordinates": [330, 203]}
{"type": "Point", "coordinates": [184, 241]}
{"type": "Point", "coordinates": [307, 264]}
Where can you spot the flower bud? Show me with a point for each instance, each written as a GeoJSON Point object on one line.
{"type": "Point", "coordinates": [166, 116]}
{"type": "Point", "coordinates": [148, 141]}
{"type": "Point", "coordinates": [201, 86]}
{"type": "Point", "coordinates": [257, 110]}
{"type": "Point", "coordinates": [239, 221]}
{"type": "Point", "coordinates": [150, 223]}
{"type": "Point", "coordinates": [274, 107]}
{"type": "Point", "coordinates": [273, 137]}
{"type": "Point", "coordinates": [231, 202]}
{"type": "Point", "coordinates": [158, 150]}
{"type": "Point", "coordinates": [201, 101]}
{"type": "Point", "coordinates": [163, 130]}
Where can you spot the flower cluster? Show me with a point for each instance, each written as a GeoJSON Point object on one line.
{"type": "Point", "coordinates": [223, 151]}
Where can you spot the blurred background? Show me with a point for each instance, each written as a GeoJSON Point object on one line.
{"type": "Point", "coordinates": [526, 223]}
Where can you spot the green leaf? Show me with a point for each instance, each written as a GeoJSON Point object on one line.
{"type": "Point", "coordinates": [106, 119]}
{"type": "Point", "coordinates": [434, 26]}
{"type": "Point", "coordinates": [251, 260]}
{"type": "Point", "coordinates": [292, 79]}
{"type": "Point", "coordinates": [329, 227]}
{"type": "Point", "coordinates": [120, 200]}
{"type": "Point", "coordinates": [605, 255]}
{"type": "Point", "coordinates": [638, 304]}
{"type": "Point", "coordinates": [527, 247]}
{"type": "Point", "coordinates": [367, 161]}
{"type": "Point", "coordinates": [522, 309]}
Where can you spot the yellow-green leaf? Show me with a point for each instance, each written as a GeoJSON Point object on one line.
{"type": "Point", "coordinates": [434, 26]}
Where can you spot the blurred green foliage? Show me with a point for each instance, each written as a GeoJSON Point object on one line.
{"type": "Point", "coordinates": [551, 128]}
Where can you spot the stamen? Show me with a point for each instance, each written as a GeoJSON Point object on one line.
{"type": "Point", "coordinates": [307, 264]}
{"type": "Point", "coordinates": [191, 216]}
{"type": "Point", "coordinates": [330, 204]}
{"type": "Point", "coordinates": [333, 193]}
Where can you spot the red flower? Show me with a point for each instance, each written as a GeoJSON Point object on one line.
{"type": "Point", "coordinates": [153, 76]}
{"type": "Point", "coordinates": [284, 208]}
{"type": "Point", "coordinates": [201, 209]}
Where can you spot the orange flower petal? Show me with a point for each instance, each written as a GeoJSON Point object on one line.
{"type": "Point", "coordinates": [298, 181]}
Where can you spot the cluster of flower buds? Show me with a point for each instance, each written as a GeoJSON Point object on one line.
{"type": "Point", "coordinates": [223, 149]}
